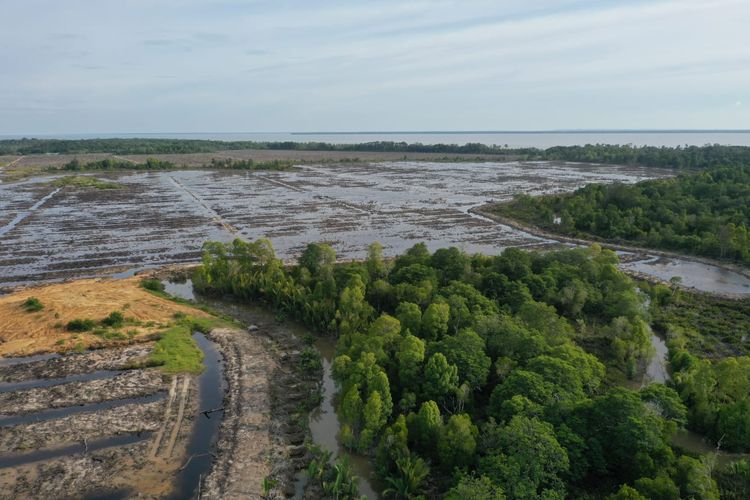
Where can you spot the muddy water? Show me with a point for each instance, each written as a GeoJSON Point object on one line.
{"type": "Point", "coordinates": [72, 410]}
{"type": "Point", "coordinates": [323, 422]}
{"type": "Point", "coordinates": [696, 275]}
{"type": "Point", "coordinates": [205, 432]}
{"type": "Point", "coordinates": [26, 359]}
{"type": "Point", "coordinates": [47, 454]}
{"type": "Point", "coordinates": [656, 371]}
{"type": "Point", "coordinates": [49, 382]}
{"type": "Point", "coordinates": [164, 217]}
{"type": "Point", "coordinates": [325, 425]}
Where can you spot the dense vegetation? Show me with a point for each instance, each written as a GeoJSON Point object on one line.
{"type": "Point", "coordinates": [679, 157]}
{"type": "Point", "coordinates": [464, 376]}
{"type": "Point", "coordinates": [711, 326]}
{"type": "Point", "coordinates": [155, 164]}
{"type": "Point", "coordinates": [707, 213]}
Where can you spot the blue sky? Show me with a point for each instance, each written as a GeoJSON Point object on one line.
{"type": "Point", "coordinates": [82, 66]}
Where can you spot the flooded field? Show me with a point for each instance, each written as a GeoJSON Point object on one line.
{"type": "Point", "coordinates": [164, 217]}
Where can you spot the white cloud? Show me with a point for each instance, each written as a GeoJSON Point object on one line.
{"type": "Point", "coordinates": [335, 64]}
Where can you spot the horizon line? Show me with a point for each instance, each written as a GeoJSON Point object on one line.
{"type": "Point", "coordinates": [389, 132]}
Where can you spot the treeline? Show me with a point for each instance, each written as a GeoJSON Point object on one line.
{"type": "Point", "coordinates": [707, 213]}
{"type": "Point", "coordinates": [463, 376]}
{"type": "Point", "coordinates": [155, 164]}
{"type": "Point", "coordinates": [665, 157]}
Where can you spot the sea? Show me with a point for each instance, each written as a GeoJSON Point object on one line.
{"type": "Point", "coordinates": [512, 139]}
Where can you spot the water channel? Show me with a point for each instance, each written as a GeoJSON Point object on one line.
{"type": "Point", "coordinates": [323, 421]}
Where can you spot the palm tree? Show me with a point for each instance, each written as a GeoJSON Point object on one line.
{"type": "Point", "coordinates": [407, 483]}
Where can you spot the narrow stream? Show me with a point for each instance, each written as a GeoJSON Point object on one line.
{"type": "Point", "coordinates": [656, 371]}
{"type": "Point", "coordinates": [211, 387]}
{"type": "Point", "coordinates": [323, 422]}
{"type": "Point", "coordinates": [325, 425]}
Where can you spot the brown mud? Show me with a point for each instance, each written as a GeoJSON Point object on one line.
{"type": "Point", "coordinates": [161, 218]}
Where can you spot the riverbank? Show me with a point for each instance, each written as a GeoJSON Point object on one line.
{"type": "Point", "coordinates": [642, 253]}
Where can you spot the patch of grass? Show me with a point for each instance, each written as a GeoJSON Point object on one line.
{"type": "Point", "coordinates": [152, 284]}
{"type": "Point", "coordinates": [81, 181]}
{"type": "Point", "coordinates": [177, 352]}
{"type": "Point", "coordinates": [60, 342]}
{"type": "Point", "coordinates": [32, 304]}
{"type": "Point", "coordinates": [114, 320]}
{"type": "Point", "coordinates": [80, 325]}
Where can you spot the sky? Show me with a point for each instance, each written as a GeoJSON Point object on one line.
{"type": "Point", "coordinates": [149, 66]}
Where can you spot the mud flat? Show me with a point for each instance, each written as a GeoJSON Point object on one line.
{"type": "Point", "coordinates": [160, 218]}
{"type": "Point", "coordinates": [92, 437]}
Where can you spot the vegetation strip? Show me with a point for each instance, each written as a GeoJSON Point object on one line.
{"type": "Point", "coordinates": [680, 157]}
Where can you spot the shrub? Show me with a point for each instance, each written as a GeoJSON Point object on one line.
{"type": "Point", "coordinates": [32, 304]}
{"type": "Point", "coordinates": [80, 325]}
{"type": "Point", "coordinates": [152, 284]}
{"type": "Point", "coordinates": [309, 360]}
{"type": "Point", "coordinates": [114, 320]}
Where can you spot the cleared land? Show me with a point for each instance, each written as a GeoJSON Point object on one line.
{"type": "Point", "coordinates": [159, 218]}
{"type": "Point", "coordinates": [25, 332]}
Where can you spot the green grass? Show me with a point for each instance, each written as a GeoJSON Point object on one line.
{"type": "Point", "coordinates": [177, 352]}
{"type": "Point", "coordinates": [32, 304]}
{"type": "Point", "coordinates": [81, 181]}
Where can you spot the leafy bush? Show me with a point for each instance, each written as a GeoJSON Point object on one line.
{"type": "Point", "coordinates": [152, 284]}
{"type": "Point", "coordinates": [309, 360]}
{"type": "Point", "coordinates": [114, 320]}
{"type": "Point", "coordinates": [32, 304]}
{"type": "Point", "coordinates": [80, 325]}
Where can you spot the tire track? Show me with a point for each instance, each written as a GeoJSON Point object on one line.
{"type": "Point", "coordinates": [165, 422]}
{"type": "Point", "coordinates": [178, 422]}
{"type": "Point", "coordinates": [23, 215]}
{"type": "Point", "coordinates": [210, 211]}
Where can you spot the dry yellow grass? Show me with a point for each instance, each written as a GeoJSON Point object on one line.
{"type": "Point", "coordinates": [26, 333]}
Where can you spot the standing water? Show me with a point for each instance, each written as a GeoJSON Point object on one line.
{"type": "Point", "coordinates": [323, 421]}
{"type": "Point", "coordinates": [211, 388]}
